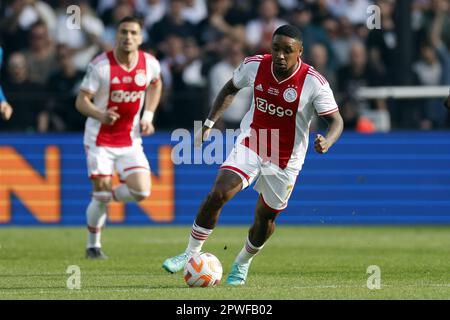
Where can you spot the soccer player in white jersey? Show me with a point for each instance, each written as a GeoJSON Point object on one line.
{"type": "Point", "coordinates": [287, 93]}
{"type": "Point", "coordinates": [117, 85]}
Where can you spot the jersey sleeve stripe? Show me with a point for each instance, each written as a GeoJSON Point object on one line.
{"type": "Point", "coordinates": [329, 112]}
{"type": "Point", "coordinates": [252, 60]}
{"type": "Point", "coordinates": [317, 73]}
{"type": "Point", "coordinates": [258, 56]}
{"type": "Point", "coordinates": [322, 82]}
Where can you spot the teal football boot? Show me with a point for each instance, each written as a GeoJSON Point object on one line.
{"type": "Point", "coordinates": [238, 274]}
{"type": "Point", "coordinates": [176, 263]}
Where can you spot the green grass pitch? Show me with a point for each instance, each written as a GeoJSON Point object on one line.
{"type": "Point", "coordinates": [297, 263]}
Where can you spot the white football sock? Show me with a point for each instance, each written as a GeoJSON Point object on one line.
{"type": "Point", "coordinates": [248, 252]}
{"type": "Point", "coordinates": [96, 217]}
{"type": "Point", "coordinates": [196, 239]}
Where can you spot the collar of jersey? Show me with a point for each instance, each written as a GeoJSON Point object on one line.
{"type": "Point", "coordinates": [122, 66]}
{"type": "Point", "coordinates": [292, 74]}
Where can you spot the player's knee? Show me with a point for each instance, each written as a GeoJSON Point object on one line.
{"type": "Point", "coordinates": [102, 196]}
{"type": "Point", "coordinates": [103, 186]}
{"type": "Point", "coordinates": [218, 197]}
{"type": "Point", "coordinates": [140, 195]}
{"type": "Point", "coordinates": [266, 218]}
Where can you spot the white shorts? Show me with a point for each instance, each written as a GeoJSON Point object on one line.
{"type": "Point", "coordinates": [102, 161]}
{"type": "Point", "coordinates": [274, 184]}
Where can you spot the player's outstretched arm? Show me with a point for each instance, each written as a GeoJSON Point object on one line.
{"type": "Point", "coordinates": [335, 127]}
{"type": "Point", "coordinates": [5, 110]}
{"type": "Point", "coordinates": [85, 106]}
{"type": "Point", "coordinates": [221, 103]}
{"type": "Point", "coordinates": [152, 99]}
{"type": "Point", "coordinates": [447, 102]}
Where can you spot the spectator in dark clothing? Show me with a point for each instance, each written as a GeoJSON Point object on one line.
{"type": "Point", "coordinates": [428, 71]}
{"type": "Point", "coordinates": [172, 23]}
{"type": "Point", "coordinates": [26, 97]}
{"type": "Point", "coordinates": [318, 58]}
{"type": "Point", "coordinates": [447, 102]}
{"type": "Point", "coordinates": [357, 74]}
{"type": "Point", "coordinates": [382, 44]}
{"type": "Point", "coordinates": [40, 56]}
{"type": "Point", "coordinates": [189, 87]}
{"type": "Point", "coordinates": [12, 32]}
{"type": "Point", "coordinates": [241, 12]}
{"type": "Point", "coordinates": [62, 87]}
{"type": "Point", "coordinates": [320, 12]}
{"type": "Point", "coordinates": [215, 25]}
{"type": "Point", "coordinates": [302, 18]}
{"type": "Point", "coordinates": [183, 83]}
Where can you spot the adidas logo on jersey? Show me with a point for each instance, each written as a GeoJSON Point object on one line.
{"type": "Point", "coordinates": [259, 87]}
{"type": "Point", "coordinates": [115, 80]}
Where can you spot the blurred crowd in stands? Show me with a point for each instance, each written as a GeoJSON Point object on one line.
{"type": "Point", "coordinates": [200, 42]}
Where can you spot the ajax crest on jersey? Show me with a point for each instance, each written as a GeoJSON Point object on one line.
{"type": "Point", "coordinates": [203, 270]}
{"type": "Point", "coordinates": [290, 95]}
{"type": "Point", "coordinates": [140, 79]}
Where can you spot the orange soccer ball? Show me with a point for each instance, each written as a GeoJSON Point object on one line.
{"type": "Point", "coordinates": [203, 270]}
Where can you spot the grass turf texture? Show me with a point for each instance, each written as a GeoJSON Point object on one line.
{"type": "Point", "coordinates": [297, 263]}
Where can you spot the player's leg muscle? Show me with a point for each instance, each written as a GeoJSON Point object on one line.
{"type": "Point", "coordinates": [226, 186]}
{"type": "Point", "coordinates": [264, 224]}
{"type": "Point", "coordinates": [139, 185]}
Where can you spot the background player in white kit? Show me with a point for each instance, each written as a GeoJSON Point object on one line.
{"type": "Point", "coordinates": [119, 82]}
{"type": "Point", "coordinates": [287, 92]}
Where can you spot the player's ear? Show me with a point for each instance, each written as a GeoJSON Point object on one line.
{"type": "Point", "coordinates": [300, 51]}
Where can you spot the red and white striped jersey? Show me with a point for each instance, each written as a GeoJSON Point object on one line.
{"type": "Point", "coordinates": [287, 106]}
{"type": "Point", "coordinates": [114, 86]}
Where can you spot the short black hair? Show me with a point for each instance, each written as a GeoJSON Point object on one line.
{"type": "Point", "coordinates": [131, 19]}
{"type": "Point", "coordinates": [290, 31]}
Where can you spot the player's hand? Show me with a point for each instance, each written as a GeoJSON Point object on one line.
{"type": "Point", "coordinates": [447, 103]}
{"type": "Point", "coordinates": [5, 110]}
{"type": "Point", "coordinates": [147, 128]}
{"type": "Point", "coordinates": [110, 116]}
{"type": "Point", "coordinates": [321, 144]}
{"type": "Point", "coordinates": [201, 136]}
